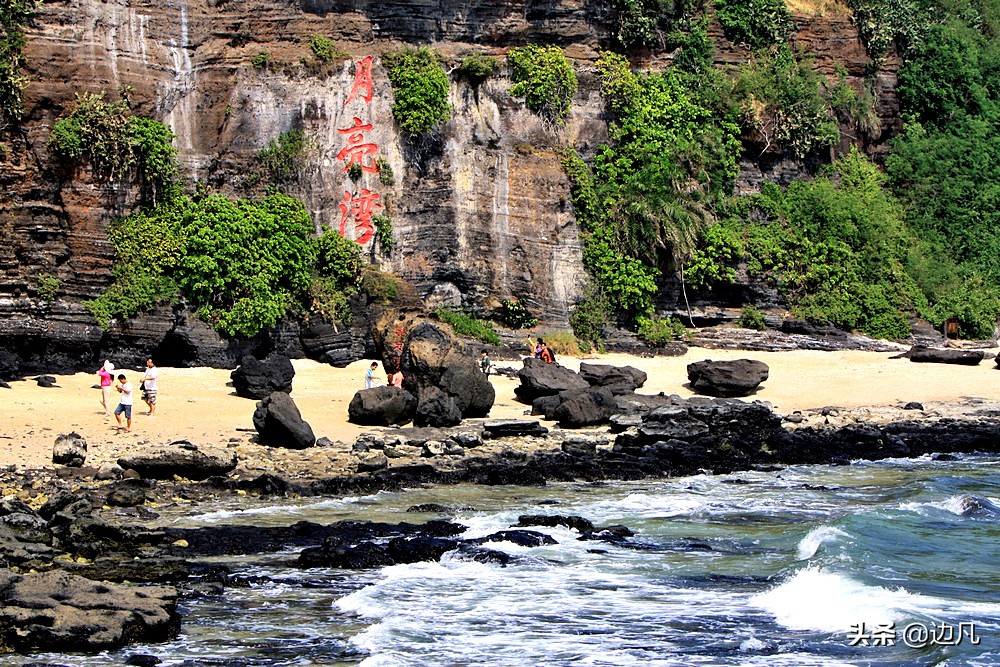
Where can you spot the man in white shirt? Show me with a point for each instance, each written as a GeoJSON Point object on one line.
{"type": "Point", "coordinates": [124, 388]}
{"type": "Point", "coordinates": [149, 386]}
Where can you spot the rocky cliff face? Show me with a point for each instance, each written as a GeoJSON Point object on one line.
{"type": "Point", "coordinates": [481, 212]}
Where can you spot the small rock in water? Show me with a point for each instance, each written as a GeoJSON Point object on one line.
{"type": "Point", "coordinates": [142, 660]}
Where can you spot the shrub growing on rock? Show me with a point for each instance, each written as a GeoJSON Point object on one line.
{"type": "Point", "coordinates": [544, 77]}
{"type": "Point", "coordinates": [419, 89]}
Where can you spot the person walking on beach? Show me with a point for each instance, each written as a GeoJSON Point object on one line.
{"type": "Point", "coordinates": [107, 379]}
{"type": "Point", "coordinates": [150, 387]}
{"type": "Point", "coordinates": [124, 388]}
{"type": "Point", "coordinates": [485, 362]}
{"type": "Point", "coordinates": [370, 379]}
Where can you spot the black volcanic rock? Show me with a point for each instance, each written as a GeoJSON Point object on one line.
{"type": "Point", "coordinates": [382, 406]}
{"type": "Point", "coordinates": [258, 379]}
{"type": "Point", "coordinates": [279, 423]}
{"type": "Point", "coordinates": [739, 377]}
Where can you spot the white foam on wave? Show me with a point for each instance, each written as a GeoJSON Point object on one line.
{"type": "Point", "coordinates": [277, 510]}
{"type": "Point", "coordinates": [960, 505]}
{"type": "Point", "coordinates": [814, 599]}
{"type": "Point", "coordinates": [817, 537]}
{"type": "Point", "coordinates": [646, 506]}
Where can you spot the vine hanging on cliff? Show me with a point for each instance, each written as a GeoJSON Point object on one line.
{"type": "Point", "coordinates": [14, 16]}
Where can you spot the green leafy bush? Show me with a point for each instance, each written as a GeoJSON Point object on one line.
{"type": "Point", "coordinates": [783, 103]}
{"type": "Point", "coordinates": [590, 315]}
{"type": "Point", "coordinates": [881, 23]}
{"type": "Point", "coordinates": [751, 318]}
{"type": "Point", "coordinates": [261, 61]}
{"type": "Point", "coordinates": [118, 145]}
{"type": "Point", "coordinates": [758, 24]}
{"type": "Point", "coordinates": [323, 49]}
{"type": "Point", "coordinates": [478, 67]}
{"type": "Point", "coordinates": [385, 174]}
{"type": "Point", "coordinates": [355, 171]}
{"type": "Point", "coordinates": [286, 156]}
{"type": "Point", "coordinates": [241, 263]}
{"type": "Point", "coordinates": [380, 287]}
{"type": "Point", "coordinates": [545, 79]}
{"type": "Point", "coordinates": [419, 88]}
{"type": "Point", "coordinates": [516, 315]}
{"type": "Point", "coordinates": [47, 287]}
{"type": "Point", "coordinates": [338, 259]}
{"type": "Point", "coordinates": [14, 16]}
{"type": "Point", "coordinates": [383, 233]}
{"type": "Point", "coordinates": [657, 331]}
{"type": "Point", "coordinates": [468, 326]}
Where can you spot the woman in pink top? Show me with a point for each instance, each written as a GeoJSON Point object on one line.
{"type": "Point", "coordinates": [397, 379]}
{"type": "Point", "coordinates": [104, 372]}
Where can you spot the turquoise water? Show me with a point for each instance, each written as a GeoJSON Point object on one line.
{"type": "Point", "coordinates": [777, 568]}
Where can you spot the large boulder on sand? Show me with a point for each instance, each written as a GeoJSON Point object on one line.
{"type": "Point", "coordinates": [258, 379]}
{"type": "Point", "coordinates": [739, 377]}
{"type": "Point", "coordinates": [930, 355]}
{"type": "Point", "coordinates": [605, 375]}
{"type": "Point", "coordinates": [541, 379]}
{"type": "Point", "coordinates": [70, 450]}
{"type": "Point", "coordinates": [279, 423]}
{"type": "Point", "coordinates": [381, 406]}
{"type": "Point", "coordinates": [437, 409]}
{"type": "Point", "coordinates": [181, 459]}
{"type": "Point", "coordinates": [431, 356]}
{"type": "Point", "coordinates": [56, 611]}
{"type": "Point", "coordinates": [585, 407]}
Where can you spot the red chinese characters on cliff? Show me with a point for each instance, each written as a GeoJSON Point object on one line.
{"type": "Point", "coordinates": [357, 209]}
{"type": "Point", "coordinates": [357, 149]}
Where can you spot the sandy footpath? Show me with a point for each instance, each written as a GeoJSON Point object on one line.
{"type": "Point", "coordinates": [195, 403]}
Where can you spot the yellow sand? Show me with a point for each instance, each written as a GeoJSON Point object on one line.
{"type": "Point", "coordinates": [195, 403]}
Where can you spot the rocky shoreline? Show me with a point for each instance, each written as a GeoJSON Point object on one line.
{"type": "Point", "coordinates": [62, 531]}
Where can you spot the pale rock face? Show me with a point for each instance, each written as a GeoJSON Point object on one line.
{"type": "Point", "coordinates": [481, 211]}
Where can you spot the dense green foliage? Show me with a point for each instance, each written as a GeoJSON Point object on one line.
{"type": "Point", "coordinates": [323, 49]}
{"type": "Point", "coordinates": [782, 102]}
{"type": "Point", "coordinates": [757, 24]}
{"type": "Point", "coordinates": [751, 318]}
{"type": "Point", "coordinates": [285, 157]}
{"type": "Point", "coordinates": [419, 89]}
{"type": "Point", "coordinates": [836, 247]}
{"type": "Point", "coordinates": [945, 166]}
{"type": "Point", "coordinates": [882, 23]}
{"type": "Point", "coordinates": [261, 61]}
{"type": "Point", "coordinates": [118, 145]}
{"type": "Point", "coordinates": [544, 77]}
{"type": "Point", "coordinates": [468, 326]}
{"type": "Point", "coordinates": [657, 331]}
{"type": "Point", "coordinates": [338, 273]}
{"type": "Point", "coordinates": [47, 287]}
{"type": "Point", "coordinates": [590, 315]}
{"type": "Point", "coordinates": [241, 263]}
{"type": "Point", "coordinates": [516, 315]}
{"type": "Point", "coordinates": [13, 18]}
{"type": "Point", "coordinates": [478, 67]}
{"type": "Point", "coordinates": [642, 204]}
{"type": "Point", "coordinates": [385, 173]}
{"type": "Point", "coordinates": [383, 233]}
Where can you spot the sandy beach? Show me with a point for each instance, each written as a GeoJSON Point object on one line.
{"type": "Point", "coordinates": [197, 405]}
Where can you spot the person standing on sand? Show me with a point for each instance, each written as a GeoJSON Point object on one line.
{"type": "Point", "coordinates": [104, 373]}
{"type": "Point", "coordinates": [149, 387]}
{"type": "Point", "coordinates": [370, 379]}
{"type": "Point", "coordinates": [485, 363]}
{"type": "Point", "coordinates": [397, 378]}
{"type": "Point", "coordinates": [125, 403]}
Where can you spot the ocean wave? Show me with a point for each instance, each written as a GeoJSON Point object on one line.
{"type": "Point", "coordinates": [847, 602]}
{"type": "Point", "coordinates": [817, 537]}
{"type": "Point", "coordinates": [965, 504]}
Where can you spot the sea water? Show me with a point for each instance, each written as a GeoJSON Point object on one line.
{"type": "Point", "coordinates": [879, 563]}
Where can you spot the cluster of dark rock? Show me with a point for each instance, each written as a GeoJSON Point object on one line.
{"type": "Point", "coordinates": [442, 383]}
{"type": "Point", "coordinates": [378, 545]}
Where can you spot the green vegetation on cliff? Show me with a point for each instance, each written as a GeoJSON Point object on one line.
{"type": "Point", "coordinates": [118, 145]}
{"type": "Point", "coordinates": [544, 77]}
{"type": "Point", "coordinates": [419, 89]}
{"type": "Point", "coordinates": [14, 16]}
